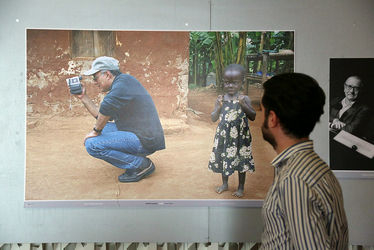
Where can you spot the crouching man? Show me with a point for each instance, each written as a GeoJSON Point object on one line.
{"type": "Point", "coordinates": [136, 131]}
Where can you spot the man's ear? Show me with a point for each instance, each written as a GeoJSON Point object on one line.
{"type": "Point", "coordinates": [109, 75]}
{"type": "Point", "coordinates": [273, 119]}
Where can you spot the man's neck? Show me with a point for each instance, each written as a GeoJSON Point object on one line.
{"type": "Point", "coordinates": [347, 102]}
{"type": "Point", "coordinates": [287, 142]}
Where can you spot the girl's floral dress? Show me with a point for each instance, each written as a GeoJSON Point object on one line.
{"type": "Point", "coordinates": [232, 148]}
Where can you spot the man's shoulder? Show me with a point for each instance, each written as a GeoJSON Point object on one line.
{"type": "Point", "coordinates": [306, 166]}
{"type": "Point", "coordinates": [336, 100]}
{"type": "Point", "coordinates": [126, 83]}
{"type": "Point", "coordinates": [124, 78]}
{"type": "Point", "coordinates": [360, 105]}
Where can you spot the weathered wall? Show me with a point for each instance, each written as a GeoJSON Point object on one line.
{"type": "Point", "coordinates": [159, 60]}
{"type": "Point", "coordinates": [47, 55]}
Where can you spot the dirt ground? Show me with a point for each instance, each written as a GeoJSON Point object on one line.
{"type": "Point", "coordinates": [59, 168]}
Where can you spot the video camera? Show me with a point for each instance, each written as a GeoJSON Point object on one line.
{"type": "Point", "coordinates": [74, 84]}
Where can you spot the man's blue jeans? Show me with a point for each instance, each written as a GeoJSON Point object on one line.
{"type": "Point", "coordinates": [120, 148]}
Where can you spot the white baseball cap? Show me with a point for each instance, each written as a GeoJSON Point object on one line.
{"type": "Point", "coordinates": [103, 63]}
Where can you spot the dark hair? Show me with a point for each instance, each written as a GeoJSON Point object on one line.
{"type": "Point", "coordinates": [359, 78]}
{"type": "Point", "coordinates": [297, 100]}
{"type": "Point", "coordinates": [237, 67]}
{"type": "Point", "coordinates": [115, 72]}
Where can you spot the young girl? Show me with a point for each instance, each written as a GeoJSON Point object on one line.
{"type": "Point", "coordinates": [232, 148]}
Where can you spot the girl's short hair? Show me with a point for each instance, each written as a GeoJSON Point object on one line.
{"type": "Point", "coordinates": [237, 67]}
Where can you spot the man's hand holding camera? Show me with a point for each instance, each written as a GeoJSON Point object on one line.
{"type": "Point", "coordinates": [81, 95]}
{"type": "Point", "coordinates": [77, 89]}
{"type": "Point", "coordinates": [74, 84]}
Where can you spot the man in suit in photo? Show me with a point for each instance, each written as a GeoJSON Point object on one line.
{"type": "Point", "coordinates": [349, 113]}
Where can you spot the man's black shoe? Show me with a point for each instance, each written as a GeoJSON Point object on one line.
{"type": "Point", "coordinates": [134, 175]}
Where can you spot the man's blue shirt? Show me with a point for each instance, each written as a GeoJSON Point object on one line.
{"type": "Point", "coordinates": [133, 110]}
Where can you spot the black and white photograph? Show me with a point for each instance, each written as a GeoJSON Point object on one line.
{"type": "Point", "coordinates": [351, 119]}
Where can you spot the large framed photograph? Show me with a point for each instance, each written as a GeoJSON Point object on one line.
{"type": "Point", "coordinates": [351, 122]}
{"type": "Point", "coordinates": [182, 72]}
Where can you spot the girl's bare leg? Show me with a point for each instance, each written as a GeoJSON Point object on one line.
{"type": "Point", "coordinates": [225, 185]}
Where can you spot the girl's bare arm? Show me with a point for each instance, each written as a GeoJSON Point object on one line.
{"type": "Point", "coordinates": [217, 109]}
{"type": "Point", "coordinates": [245, 103]}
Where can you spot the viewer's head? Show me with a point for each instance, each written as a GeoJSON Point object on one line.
{"type": "Point", "coordinates": [233, 77]}
{"type": "Point", "coordinates": [297, 100]}
{"type": "Point", "coordinates": [352, 87]}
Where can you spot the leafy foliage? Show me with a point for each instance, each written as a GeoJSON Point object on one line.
{"type": "Point", "coordinates": [212, 51]}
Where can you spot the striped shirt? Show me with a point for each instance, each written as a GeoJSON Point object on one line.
{"type": "Point", "coordinates": [304, 207]}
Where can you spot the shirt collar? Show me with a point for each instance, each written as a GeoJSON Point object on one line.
{"type": "Point", "coordinates": [114, 82]}
{"type": "Point", "coordinates": [288, 152]}
{"type": "Point", "coordinates": [346, 103]}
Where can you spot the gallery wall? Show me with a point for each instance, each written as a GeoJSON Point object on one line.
{"type": "Point", "coordinates": [323, 30]}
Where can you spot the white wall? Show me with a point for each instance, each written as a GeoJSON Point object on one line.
{"type": "Point", "coordinates": [323, 30]}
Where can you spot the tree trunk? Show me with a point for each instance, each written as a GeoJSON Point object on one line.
{"type": "Point", "coordinates": [195, 67]}
{"type": "Point", "coordinates": [219, 61]}
{"type": "Point", "coordinates": [230, 50]}
{"type": "Point", "coordinates": [265, 57]}
{"type": "Point", "coordinates": [290, 42]}
{"type": "Point", "coordinates": [225, 48]}
{"type": "Point", "coordinates": [259, 66]}
{"type": "Point", "coordinates": [203, 75]}
{"type": "Point", "coordinates": [242, 48]}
